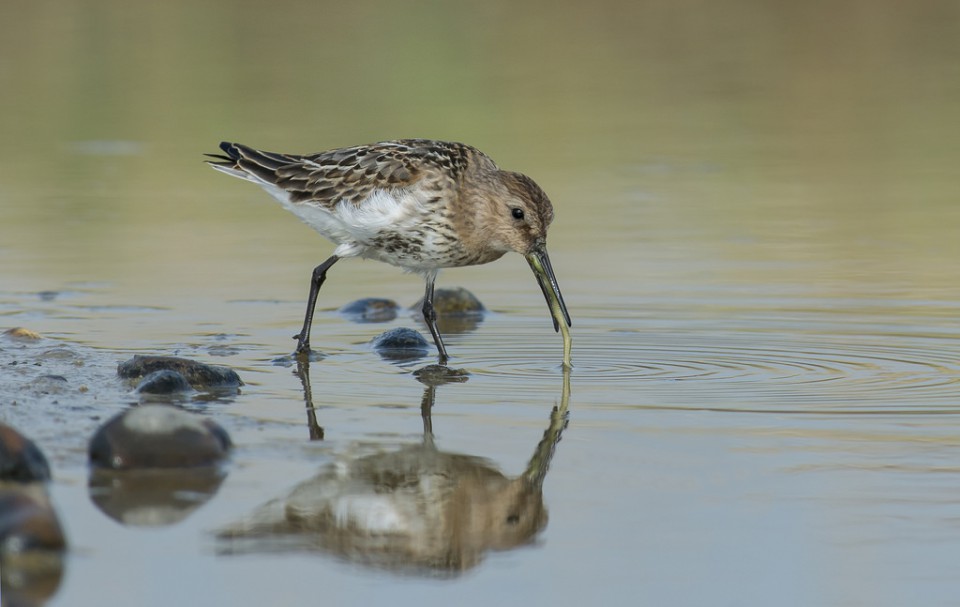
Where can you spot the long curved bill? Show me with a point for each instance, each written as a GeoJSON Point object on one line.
{"type": "Point", "coordinates": [540, 264]}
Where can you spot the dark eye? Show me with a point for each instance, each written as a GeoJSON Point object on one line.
{"type": "Point", "coordinates": [517, 212]}
{"type": "Point", "coordinates": [513, 519]}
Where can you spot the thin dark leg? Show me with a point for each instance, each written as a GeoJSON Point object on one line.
{"type": "Point", "coordinates": [316, 281]}
{"type": "Point", "coordinates": [430, 316]}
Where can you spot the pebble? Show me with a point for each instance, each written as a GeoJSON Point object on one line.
{"type": "Point", "coordinates": [21, 460]}
{"type": "Point", "coordinates": [22, 333]}
{"type": "Point", "coordinates": [158, 436]}
{"type": "Point", "coordinates": [164, 381]}
{"type": "Point", "coordinates": [455, 301]}
{"type": "Point", "coordinates": [28, 522]}
{"type": "Point", "coordinates": [200, 376]}
{"type": "Point", "coordinates": [400, 344]}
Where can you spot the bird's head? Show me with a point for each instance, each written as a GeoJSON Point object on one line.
{"type": "Point", "coordinates": [517, 214]}
{"type": "Point", "coordinates": [514, 216]}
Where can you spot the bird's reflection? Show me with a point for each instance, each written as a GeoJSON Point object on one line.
{"type": "Point", "coordinates": [414, 510]}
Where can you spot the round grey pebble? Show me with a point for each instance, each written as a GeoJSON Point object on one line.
{"type": "Point", "coordinates": [158, 436]}
{"type": "Point", "coordinates": [164, 381]}
{"type": "Point", "coordinates": [400, 344]}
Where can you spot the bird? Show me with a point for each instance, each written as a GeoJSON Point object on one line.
{"type": "Point", "coordinates": [418, 204]}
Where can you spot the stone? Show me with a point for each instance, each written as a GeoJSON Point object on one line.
{"type": "Point", "coordinates": [21, 460]}
{"type": "Point", "coordinates": [400, 344]}
{"type": "Point", "coordinates": [200, 376]}
{"type": "Point", "coordinates": [164, 381]}
{"type": "Point", "coordinates": [21, 333]}
{"type": "Point", "coordinates": [158, 436]}
{"type": "Point", "coordinates": [455, 301]}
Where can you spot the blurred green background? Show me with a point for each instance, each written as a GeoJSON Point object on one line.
{"type": "Point", "coordinates": [662, 130]}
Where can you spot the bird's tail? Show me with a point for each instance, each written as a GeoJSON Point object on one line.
{"type": "Point", "coordinates": [245, 162]}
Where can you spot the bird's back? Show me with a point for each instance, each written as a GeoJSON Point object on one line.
{"type": "Point", "coordinates": [384, 200]}
{"type": "Point", "coordinates": [351, 173]}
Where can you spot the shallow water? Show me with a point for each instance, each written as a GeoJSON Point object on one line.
{"type": "Point", "coordinates": [756, 236]}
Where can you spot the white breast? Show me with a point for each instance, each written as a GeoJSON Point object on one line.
{"type": "Point", "coordinates": [355, 227]}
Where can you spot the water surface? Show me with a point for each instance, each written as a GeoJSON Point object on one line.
{"type": "Point", "coordinates": [756, 236]}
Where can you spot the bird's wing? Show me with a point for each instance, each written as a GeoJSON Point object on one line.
{"type": "Point", "coordinates": [353, 173]}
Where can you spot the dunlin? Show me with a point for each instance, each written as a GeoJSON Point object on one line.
{"type": "Point", "coordinates": [418, 204]}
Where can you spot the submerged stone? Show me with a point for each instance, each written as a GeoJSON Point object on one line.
{"type": "Point", "coordinates": [400, 344]}
{"type": "Point", "coordinates": [61, 353]}
{"type": "Point", "coordinates": [458, 310]}
{"type": "Point", "coordinates": [49, 384]}
{"type": "Point", "coordinates": [164, 381]}
{"type": "Point", "coordinates": [158, 436]}
{"type": "Point", "coordinates": [200, 376]}
{"type": "Point", "coordinates": [371, 309]}
{"type": "Point", "coordinates": [20, 459]}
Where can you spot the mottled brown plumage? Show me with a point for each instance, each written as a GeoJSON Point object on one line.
{"type": "Point", "coordinates": [418, 204]}
{"type": "Point", "coordinates": [352, 173]}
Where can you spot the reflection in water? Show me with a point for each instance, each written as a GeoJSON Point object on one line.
{"type": "Point", "coordinates": [303, 372]}
{"type": "Point", "coordinates": [31, 545]}
{"type": "Point", "coordinates": [32, 579]}
{"type": "Point", "coordinates": [413, 510]}
{"type": "Point", "coordinates": [455, 324]}
{"type": "Point", "coordinates": [153, 497]}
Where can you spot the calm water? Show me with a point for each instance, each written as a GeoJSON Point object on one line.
{"type": "Point", "coordinates": [757, 236]}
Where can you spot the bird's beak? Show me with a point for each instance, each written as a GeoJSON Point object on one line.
{"type": "Point", "coordinates": [540, 264]}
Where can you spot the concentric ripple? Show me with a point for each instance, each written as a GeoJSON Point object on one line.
{"type": "Point", "coordinates": [756, 370]}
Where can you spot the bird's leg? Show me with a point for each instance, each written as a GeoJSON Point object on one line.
{"type": "Point", "coordinates": [430, 317]}
{"type": "Point", "coordinates": [316, 281]}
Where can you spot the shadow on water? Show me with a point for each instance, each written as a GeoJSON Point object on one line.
{"type": "Point", "coordinates": [415, 510]}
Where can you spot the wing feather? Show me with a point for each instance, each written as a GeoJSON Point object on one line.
{"type": "Point", "coordinates": [352, 173]}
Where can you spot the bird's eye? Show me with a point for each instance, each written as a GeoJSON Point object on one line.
{"type": "Point", "coordinates": [517, 212]}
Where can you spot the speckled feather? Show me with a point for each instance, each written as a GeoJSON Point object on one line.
{"type": "Point", "coordinates": [353, 173]}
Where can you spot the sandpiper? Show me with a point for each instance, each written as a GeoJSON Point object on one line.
{"type": "Point", "coordinates": [418, 204]}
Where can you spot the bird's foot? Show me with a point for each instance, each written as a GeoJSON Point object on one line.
{"type": "Point", "coordinates": [303, 346]}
